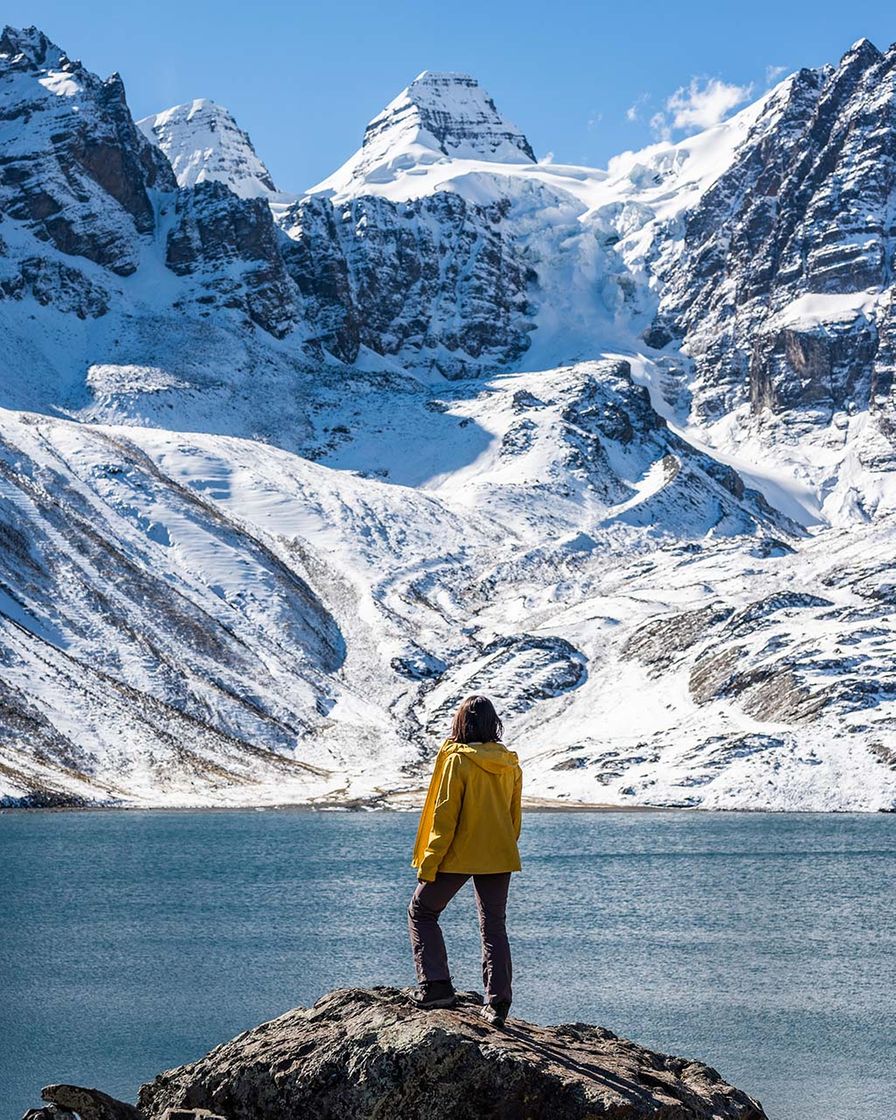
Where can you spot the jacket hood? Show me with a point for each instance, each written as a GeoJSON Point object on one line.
{"type": "Point", "coordinates": [493, 757]}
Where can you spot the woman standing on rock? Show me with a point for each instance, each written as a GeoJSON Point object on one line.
{"type": "Point", "coordinates": [470, 825]}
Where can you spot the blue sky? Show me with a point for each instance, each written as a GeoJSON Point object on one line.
{"type": "Point", "coordinates": [584, 81]}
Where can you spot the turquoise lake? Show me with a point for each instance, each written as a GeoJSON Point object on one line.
{"type": "Point", "coordinates": [763, 944]}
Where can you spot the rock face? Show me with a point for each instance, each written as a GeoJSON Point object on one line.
{"type": "Point", "coordinates": [74, 168]}
{"type": "Point", "coordinates": [436, 282]}
{"type": "Point", "coordinates": [230, 248]}
{"type": "Point", "coordinates": [365, 1053]}
{"type": "Point", "coordinates": [781, 287]}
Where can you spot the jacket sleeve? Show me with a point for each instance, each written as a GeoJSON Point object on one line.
{"type": "Point", "coordinates": [516, 803]}
{"type": "Point", "coordinates": [426, 811]}
{"type": "Point", "coordinates": [447, 810]}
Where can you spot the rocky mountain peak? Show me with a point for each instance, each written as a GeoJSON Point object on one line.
{"type": "Point", "coordinates": [864, 50]}
{"type": "Point", "coordinates": [76, 171]}
{"type": "Point", "coordinates": [27, 47]}
{"type": "Point", "coordinates": [451, 113]}
{"type": "Point", "coordinates": [203, 143]}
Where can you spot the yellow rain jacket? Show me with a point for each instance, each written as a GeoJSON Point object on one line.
{"type": "Point", "coordinates": [472, 814]}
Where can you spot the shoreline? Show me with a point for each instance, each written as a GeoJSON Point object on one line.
{"type": "Point", "coordinates": [534, 805]}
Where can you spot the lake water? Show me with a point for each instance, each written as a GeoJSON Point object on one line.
{"type": "Point", "coordinates": [762, 944]}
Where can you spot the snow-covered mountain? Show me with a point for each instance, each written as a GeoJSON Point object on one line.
{"type": "Point", "coordinates": [203, 143]}
{"type": "Point", "coordinates": [283, 476]}
{"type": "Point", "coordinates": [438, 118]}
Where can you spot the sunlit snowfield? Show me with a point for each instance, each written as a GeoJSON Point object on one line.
{"type": "Point", "coordinates": [762, 944]}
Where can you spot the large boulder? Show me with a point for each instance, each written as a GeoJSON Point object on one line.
{"type": "Point", "coordinates": [87, 1104]}
{"type": "Point", "coordinates": [365, 1053]}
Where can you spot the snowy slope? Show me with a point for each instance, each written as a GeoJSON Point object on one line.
{"type": "Point", "coordinates": [282, 477]}
{"type": "Point", "coordinates": [250, 626]}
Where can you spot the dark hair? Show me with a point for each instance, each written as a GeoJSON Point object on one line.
{"type": "Point", "coordinates": [476, 721]}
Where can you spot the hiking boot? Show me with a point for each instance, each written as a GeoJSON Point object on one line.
{"type": "Point", "coordinates": [434, 993]}
{"type": "Point", "coordinates": [495, 1013]}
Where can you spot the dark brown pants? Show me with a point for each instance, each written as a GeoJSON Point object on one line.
{"type": "Point", "coordinates": [428, 944]}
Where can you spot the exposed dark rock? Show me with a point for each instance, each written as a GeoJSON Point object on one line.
{"type": "Point", "coordinates": [368, 1053]}
{"type": "Point", "coordinates": [884, 754]}
{"type": "Point", "coordinates": [418, 665]}
{"type": "Point", "coordinates": [538, 667]}
{"type": "Point", "coordinates": [711, 676]}
{"type": "Point", "coordinates": [615, 417]}
{"type": "Point", "coordinates": [436, 280]}
{"type": "Point", "coordinates": [522, 400]}
{"type": "Point", "coordinates": [231, 245]}
{"type": "Point", "coordinates": [83, 184]}
{"type": "Point", "coordinates": [519, 437]}
{"type": "Point", "coordinates": [89, 1104]}
{"type": "Point", "coordinates": [657, 335]}
{"type": "Point", "coordinates": [824, 367]}
{"type": "Point", "coordinates": [659, 642]}
{"type": "Point", "coordinates": [803, 209]}
{"type": "Point", "coordinates": [773, 693]}
{"type": "Point", "coordinates": [55, 284]}
{"type": "Point", "coordinates": [770, 546]}
{"type": "Point", "coordinates": [718, 751]}
{"type": "Point", "coordinates": [757, 614]}
{"type": "Point", "coordinates": [577, 763]}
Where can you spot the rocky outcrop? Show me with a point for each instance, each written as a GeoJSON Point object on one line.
{"type": "Point", "coordinates": [229, 246]}
{"type": "Point", "coordinates": [68, 1102]}
{"type": "Point", "coordinates": [73, 165]}
{"type": "Point", "coordinates": [683, 490]}
{"type": "Point", "coordinates": [365, 1053]}
{"type": "Point", "coordinates": [780, 286]}
{"type": "Point", "coordinates": [659, 643]}
{"type": "Point", "coordinates": [53, 283]}
{"type": "Point", "coordinates": [755, 658]}
{"type": "Point", "coordinates": [435, 282]}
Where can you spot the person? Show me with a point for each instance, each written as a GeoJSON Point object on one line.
{"type": "Point", "coordinates": [469, 826]}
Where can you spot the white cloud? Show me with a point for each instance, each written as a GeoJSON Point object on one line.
{"type": "Point", "coordinates": [633, 112]}
{"type": "Point", "coordinates": [703, 103]}
{"type": "Point", "coordinates": [772, 73]}
{"type": "Point", "coordinates": [702, 106]}
{"type": "Point", "coordinates": [659, 126]}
